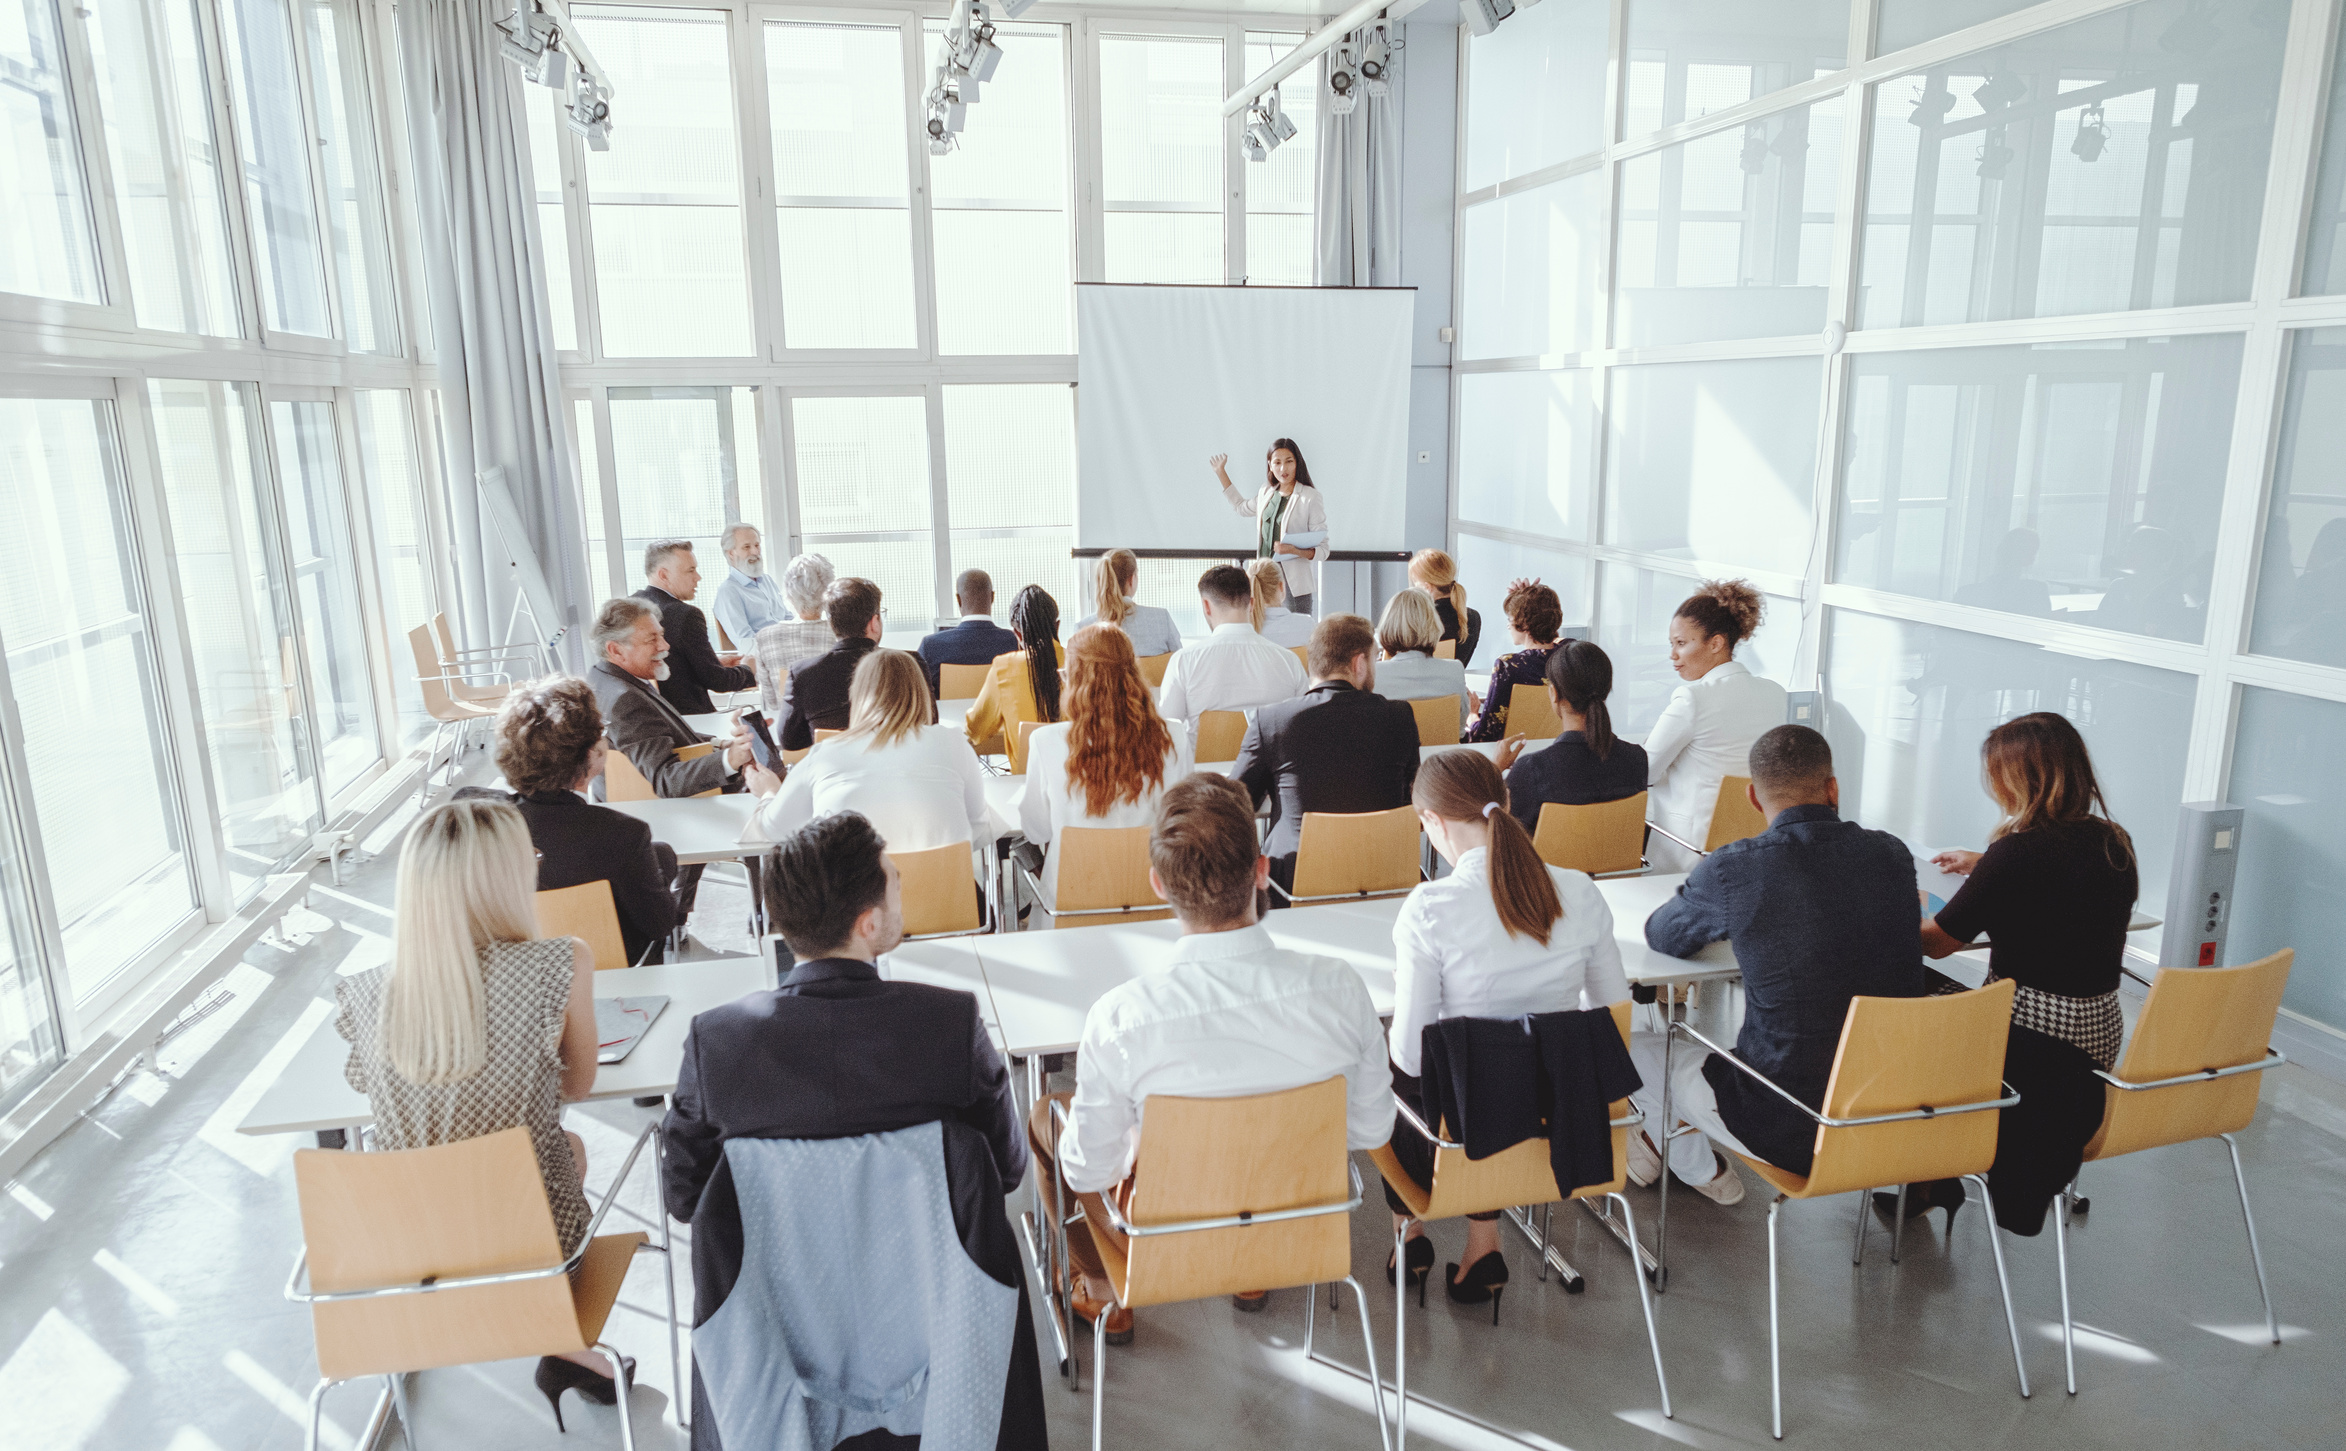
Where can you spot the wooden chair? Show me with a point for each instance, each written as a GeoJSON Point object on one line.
{"type": "Point", "coordinates": [1446, 650]}
{"type": "Point", "coordinates": [585, 911]}
{"type": "Point", "coordinates": [1734, 817]}
{"type": "Point", "coordinates": [1230, 1195]}
{"type": "Point", "coordinates": [1604, 840]}
{"type": "Point", "coordinates": [1437, 720]}
{"type": "Point", "coordinates": [940, 892]}
{"type": "Point", "coordinates": [1915, 1085]}
{"type": "Point", "coordinates": [1302, 656]}
{"type": "Point", "coordinates": [423, 1258]}
{"type": "Point", "coordinates": [1531, 713]}
{"type": "Point", "coordinates": [1103, 879]}
{"type": "Point", "coordinates": [962, 682]}
{"type": "Point", "coordinates": [1025, 733]}
{"type": "Point", "coordinates": [623, 782]}
{"type": "Point", "coordinates": [2190, 1072]}
{"type": "Point", "coordinates": [1152, 668]}
{"type": "Point", "coordinates": [1219, 735]}
{"type": "Point", "coordinates": [1514, 1177]}
{"type": "Point", "coordinates": [448, 712]}
{"type": "Point", "coordinates": [1350, 857]}
{"type": "Point", "coordinates": [464, 663]}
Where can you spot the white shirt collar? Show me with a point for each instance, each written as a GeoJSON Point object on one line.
{"type": "Point", "coordinates": [1214, 946]}
{"type": "Point", "coordinates": [1724, 670]}
{"type": "Point", "coordinates": [965, 619]}
{"type": "Point", "coordinates": [1235, 627]}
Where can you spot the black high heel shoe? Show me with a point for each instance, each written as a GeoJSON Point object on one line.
{"type": "Point", "coordinates": [1421, 1264]}
{"type": "Point", "coordinates": [556, 1375]}
{"type": "Point", "coordinates": [1921, 1199]}
{"type": "Point", "coordinates": [1485, 1279]}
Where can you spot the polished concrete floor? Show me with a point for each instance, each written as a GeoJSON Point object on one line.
{"type": "Point", "coordinates": [142, 1259]}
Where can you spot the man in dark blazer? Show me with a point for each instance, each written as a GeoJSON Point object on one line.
{"type": "Point", "coordinates": [694, 668]}
{"type": "Point", "coordinates": [1337, 747]}
{"type": "Point", "coordinates": [976, 640]}
{"type": "Point", "coordinates": [815, 698]}
{"type": "Point", "coordinates": [642, 725]}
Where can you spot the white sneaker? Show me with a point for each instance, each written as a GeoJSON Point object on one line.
{"type": "Point", "coordinates": [1645, 1165]}
{"type": "Point", "coordinates": [1724, 1190]}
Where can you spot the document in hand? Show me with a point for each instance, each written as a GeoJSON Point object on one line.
{"type": "Point", "coordinates": [1305, 539]}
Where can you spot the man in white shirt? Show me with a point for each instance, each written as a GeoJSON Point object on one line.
{"type": "Point", "coordinates": [1233, 668]}
{"type": "Point", "coordinates": [1228, 1015]}
{"type": "Point", "coordinates": [749, 599]}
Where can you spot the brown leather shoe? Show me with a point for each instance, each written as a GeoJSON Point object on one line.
{"type": "Point", "coordinates": [1088, 1306]}
{"type": "Point", "coordinates": [1251, 1301]}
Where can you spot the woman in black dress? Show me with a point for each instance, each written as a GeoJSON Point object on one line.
{"type": "Point", "coordinates": [1534, 615]}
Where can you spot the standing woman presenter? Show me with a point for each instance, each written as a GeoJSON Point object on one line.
{"type": "Point", "coordinates": [1287, 505]}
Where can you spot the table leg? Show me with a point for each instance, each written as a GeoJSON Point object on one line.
{"type": "Point", "coordinates": [757, 898]}
{"type": "Point", "coordinates": [1661, 1141]}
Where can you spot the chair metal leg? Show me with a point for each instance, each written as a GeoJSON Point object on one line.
{"type": "Point", "coordinates": [2068, 1323]}
{"type": "Point", "coordinates": [317, 1411]}
{"type": "Point", "coordinates": [1645, 1300]}
{"type": "Point", "coordinates": [1898, 1224]}
{"type": "Point", "coordinates": [1857, 1251]}
{"type": "Point", "coordinates": [1099, 1371]}
{"type": "Point", "coordinates": [1775, 1346]}
{"type": "Point", "coordinates": [682, 1403]}
{"type": "Point", "coordinates": [2240, 1181]}
{"type": "Point", "coordinates": [2003, 1282]}
{"type": "Point", "coordinates": [626, 1417]}
{"type": "Point", "coordinates": [1400, 1341]}
{"type": "Point", "coordinates": [1368, 1341]}
{"type": "Point", "coordinates": [396, 1385]}
{"type": "Point", "coordinates": [1661, 1142]}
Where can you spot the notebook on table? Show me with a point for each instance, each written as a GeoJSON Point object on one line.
{"type": "Point", "coordinates": [620, 1024]}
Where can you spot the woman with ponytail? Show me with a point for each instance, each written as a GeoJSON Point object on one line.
{"type": "Point", "coordinates": [1502, 935]}
{"type": "Point", "coordinates": [1272, 619]}
{"type": "Point", "coordinates": [1707, 730]}
{"type": "Point", "coordinates": [1587, 764]}
{"type": "Point", "coordinates": [1150, 626]}
{"type": "Point", "coordinates": [1436, 574]}
{"type": "Point", "coordinates": [1024, 684]}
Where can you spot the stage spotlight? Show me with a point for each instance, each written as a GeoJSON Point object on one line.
{"type": "Point", "coordinates": [2093, 134]}
{"type": "Point", "coordinates": [1755, 149]}
{"type": "Point", "coordinates": [1012, 9]}
{"type": "Point", "coordinates": [1376, 65]}
{"type": "Point", "coordinates": [1256, 142]}
{"type": "Point", "coordinates": [590, 115]}
{"type": "Point", "coordinates": [1483, 16]}
{"type": "Point", "coordinates": [1932, 104]}
{"type": "Point", "coordinates": [1995, 158]}
{"type": "Point", "coordinates": [532, 41]}
{"type": "Point", "coordinates": [2001, 89]}
{"type": "Point", "coordinates": [1275, 118]}
{"type": "Point", "coordinates": [989, 55]}
{"type": "Point", "coordinates": [1343, 80]}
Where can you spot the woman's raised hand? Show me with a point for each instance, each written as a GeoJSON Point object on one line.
{"type": "Point", "coordinates": [1216, 462]}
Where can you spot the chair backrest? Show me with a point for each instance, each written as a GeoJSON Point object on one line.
{"type": "Point", "coordinates": [1734, 817]}
{"type": "Point", "coordinates": [398, 1217]}
{"type": "Point", "coordinates": [1213, 1158]}
{"type": "Point", "coordinates": [446, 637]}
{"type": "Point", "coordinates": [2195, 1018]}
{"type": "Point", "coordinates": [1302, 656]}
{"type": "Point", "coordinates": [587, 911]}
{"type": "Point", "coordinates": [1446, 650]}
{"type": "Point", "coordinates": [1522, 1174]}
{"type": "Point", "coordinates": [622, 781]}
{"type": "Point", "coordinates": [1106, 867]}
{"type": "Point", "coordinates": [1152, 668]}
{"type": "Point", "coordinates": [723, 642]}
{"type": "Point", "coordinates": [1219, 735]}
{"type": "Point", "coordinates": [1900, 1054]}
{"type": "Point", "coordinates": [1531, 713]}
{"type": "Point", "coordinates": [1367, 853]}
{"type": "Point", "coordinates": [1022, 732]}
{"type": "Point", "coordinates": [1437, 720]}
{"type": "Point", "coordinates": [961, 682]}
{"type": "Point", "coordinates": [940, 890]}
{"type": "Point", "coordinates": [822, 735]}
{"type": "Point", "coordinates": [439, 704]}
{"type": "Point", "coordinates": [1606, 837]}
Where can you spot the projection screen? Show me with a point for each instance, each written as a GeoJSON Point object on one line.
{"type": "Point", "coordinates": [1166, 377]}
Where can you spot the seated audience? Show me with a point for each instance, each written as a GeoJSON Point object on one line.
{"type": "Point", "coordinates": [1227, 1015]}
{"type": "Point", "coordinates": [975, 639]}
{"type": "Point", "coordinates": [1110, 762]}
{"type": "Point", "coordinates": [2053, 892]}
{"type": "Point", "coordinates": [642, 724]}
{"type": "Point", "coordinates": [1436, 574]}
{"type": "Point", "coordinates": [814, 694]}
{"type": "Point", "coordinates": [1503, 935]}
{"type": "Point", "coordinates": [1534, 615]}
{"type": "Point", "coordinates": [801, 635]}
{"type": "Point", "coordinates": [1707, 729]}
{"type": "Point", "coordinates": [694, 667]}
{"type": "Point", "coordinates": [749, 599]}
{"type": "Point", "coordinates": [1587, 763]}
{"type": "Point", "coordinates": [1151, 627]}
{"type": "Point", "coordinates": [1339, 747]}
{"type": "Point", "coordinates": [1820, 911]}
{"type": "Point", "coordinates": [1233, 667]}
{"type": "Point", "coordinates": [1407, 634]}
{"type": "Point", "coordinates": [1272, 619]}
{"type": "Point", "coordinates": [477, 1024]}
{"type": "Point", "coordinates": [1024, 684]}
{"type": "Point", "coordinates": [918, 784]}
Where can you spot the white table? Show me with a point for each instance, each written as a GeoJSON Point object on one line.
{"type": "Point", "coordinates": [718, 723]}
{"type": "Point", "coordinates": [312, 1095]}
{"type": "Point", "coordinates": [700, 828]}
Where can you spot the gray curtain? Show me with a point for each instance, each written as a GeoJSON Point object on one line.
{"type": "Point", "coordinates": [1356, 227]}
{"type": "Point", "coordinates": [500, 378]}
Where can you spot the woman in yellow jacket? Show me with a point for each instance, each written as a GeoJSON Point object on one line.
{"type": "Point", "coordinates": [1024, 684]}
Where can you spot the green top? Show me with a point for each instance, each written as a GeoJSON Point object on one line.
{"type": "Point", "coordinates": [1271, 521]}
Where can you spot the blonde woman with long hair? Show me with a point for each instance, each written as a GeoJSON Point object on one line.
{"type": "Point", "coordinates": [918, 782]}
{"type": "Point", "coordinates": [1151, 628]}
{"type": "Point", "coordinates": [1272, 619]}
{"type": "Point", "coordinates": [1436, 575]}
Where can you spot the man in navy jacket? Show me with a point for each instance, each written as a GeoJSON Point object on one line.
{"type": "Point", "coordinates": [976, 639]}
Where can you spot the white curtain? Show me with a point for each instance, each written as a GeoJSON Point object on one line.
{"type": "Point", "coordinates": [500, 378]}
{"type": "Point", "coordinates": [1356, 219]}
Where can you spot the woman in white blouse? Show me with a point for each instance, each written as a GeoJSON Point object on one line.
{"type": "Point", "coordinates": [1707, 730]}
{"type": "Point", "coordinates": [1109, 762]}
{"type": "Point", "coordinates": [1502, 935]}
{"type": "Point", "coordinates": [1272, 619]}
{"type": "Point", "coordinates": [1150, 626]}
{"type": "Point", "coordinates": [918, 784]}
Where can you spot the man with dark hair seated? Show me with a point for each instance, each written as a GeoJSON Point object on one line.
{"type": "Point", "coordinates": [1820, 910]}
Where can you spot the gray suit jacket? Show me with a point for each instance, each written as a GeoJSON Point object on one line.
{"type": "Point", "coordinates": [648, 731]}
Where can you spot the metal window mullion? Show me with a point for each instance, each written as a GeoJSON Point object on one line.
{"type": "Point", "coordinates": [368, 165]}
{"type": "Point", "coordinates": [1234, 163]}
{"type": "Point", "coordinates": [940, 506]}
{"type": "Point", "coordinates": [921, 193]}
{"type": "Point", "coordinates": [761, 239]}
{"type": "Point", "coordinates": [1462, 78]}
{"type": "Point", "coordinates": [374, 613]}
{"type": "Point", "coordinates": [274, 518]}
{"type": "Point", "coordinates": [18, 804]}
{"type": "Point", "coordinates": [786, 431]}
{"type": "Point", "coordinates": [402, 212]}
{"type": "Point", "coordinates": [1085, 117]}
{"type": "Point", "coordinates": [85, 107]}
{"type": "Point", "coordinates": [607, 490]}
{"type": "Point", "coordinates": [321, 196]}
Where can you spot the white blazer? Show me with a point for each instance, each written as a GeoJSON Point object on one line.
{"type": "Point", "coordinates": [1306, 514]}
{"type": "Point", "coordinates": [1705, 734]}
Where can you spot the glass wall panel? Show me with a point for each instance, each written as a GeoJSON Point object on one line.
{"type": "Point", "coordinates": [1729, 235]}
{"type": "Point", "coordinates": [863, 468]}
{"type": "Point", "coordinates": [28, 1033]}
{"type": "Point", "coordinates": [274, 145]}
{"type": "Point", "coordinates": [325, 581]}
{"type": "Point", "coordinates": [1529, 283]}
{"type": "Point", "coordinates": [2076, 480]}
{"type": "Point", "coordinates": [1901, 23]}
{"type": "Point", "coordinates": [2325, 242]}
{"type": "Point", "coordinates": [237, 594]}
{"type": "Point", "coordinates": [353, 172]}
{"type": "Point", "coordinates": [2114, 163]}
{"type": "Point", "coordinates": [1633, 624]}
{"type": "Point", "coordinates": [1161, 145]}
{"type": "Point", "coordinates": [1527, 451]}
{"type": "Point", "coordinates": [1715, 461]}
{"type": "Point", "coordinates": [540, 110]}
{"type": "Point", "coordinates": [47, 247]}
{"type": "Point", "coordinates": [686, 459]}
{"type": "Point", "coordinates": [1004, 249]}
{"type": "Point", "coordinates": [402, 536]}
{"type": "Point", "coordinates": [73, 620]}
{"type": "Point", "coordinates": [2288, 775]}
{"type": "Point", "coordinates": [2301, 585]}
{"type": "Point", "coordinates": [1909, 705]}
{"type": "Point", "coordinates": [670, 278]}
{"type": "Point", "coordinates": [168, 184]}
{"type": "Point", "coordinates": [1010, 466]}
{"type": "Point", "coordinates": [1487, 566]}
{"type": "Point", "coordinates": [1280, 192]}
{"type": "Point", "coordinates": [1688, 58]}
{"type": "Point", "coordinates": [844, 206]}
{"type": "Point", "coordinates": [1535, 95]}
